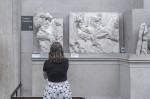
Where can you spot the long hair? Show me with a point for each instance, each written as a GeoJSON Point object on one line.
{"type": "Point", "coordinates": [56, 53]}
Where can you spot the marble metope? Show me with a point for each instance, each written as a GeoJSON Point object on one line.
{"type": "Point", "coordinates": [49, 30]}
{"type": "Point", "coordinates": [94, 32]}
{"type": "Point", "coordinates": [142, 44]}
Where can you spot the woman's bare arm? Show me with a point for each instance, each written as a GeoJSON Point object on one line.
{"type": "Point", "coordinates": [45, 75]}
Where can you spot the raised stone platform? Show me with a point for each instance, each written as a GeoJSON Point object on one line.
{"type": "Point", "coordinates": [101, 76]}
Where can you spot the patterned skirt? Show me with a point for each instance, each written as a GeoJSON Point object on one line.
{"type": "Point", "coordinates": [60, 90]}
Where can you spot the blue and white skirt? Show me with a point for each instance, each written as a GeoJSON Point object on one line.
{"type": "Point", "coordinates": [60, 90]}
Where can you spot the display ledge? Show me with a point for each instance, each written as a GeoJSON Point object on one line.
{"type": "Point", "coordinates": [97, 56]}
{"type": "Point", "coordinates": [119, 57]}
{"type": "Point", "coordinates": [82, 57]}
{"type": "Point", "coordinates": [135, 58]}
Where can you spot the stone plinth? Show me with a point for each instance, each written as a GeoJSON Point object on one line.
{"type": "Point", "coordinates": [89, 75]}
{"type": "Point", "coordinates": [134, 76]}
{"type": "Point", "coordinates": [94, 76]}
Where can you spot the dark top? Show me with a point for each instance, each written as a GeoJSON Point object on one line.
{"type": "Point", "coordinates": [57, 72]}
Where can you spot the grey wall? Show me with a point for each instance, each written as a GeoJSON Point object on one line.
{"type": "Point", "coordinates": [146, 4]}
{"type": "Point", "coordinates": [66, 6]}
{"type": "Point", "coordinates": [127, 29]}
{"type": "Point", "coordinates": [138, 3]}
{"type": "Point", "coordinates": [62, 9]}
{"type": "Point", "coordinates": [124, 77]}
{"type": "Point", "coordinates": [132, 21]}
{"type": "Point", "coordinates": [9, 46]}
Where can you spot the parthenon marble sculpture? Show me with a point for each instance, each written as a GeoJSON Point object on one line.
{"type": "Point", "coordinates": [142, 44]}
{"type": "Point", "coordinates": [49, 30]}
{"type": "Point", "coordinates": [96, 32]}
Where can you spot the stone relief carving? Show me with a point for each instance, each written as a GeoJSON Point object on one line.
{"type": "Point", "coordinates": [49, 30]}
{"type": "Point", "coordinates": [142, 44]}
{"type": "Point", "coordinates": [96, 32]}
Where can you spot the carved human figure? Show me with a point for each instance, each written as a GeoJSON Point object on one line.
{"type": "Point", "coordinates": [85, 30]}
{"type": "Point", "coordinates": [47, 30]}
{"type": "Point", "coordinates": [94, 32]}
{"type": "Point", "coordinates": [145, 41]}
{"type": "Point", "coordinates": [141, 46]}
{"type": "Point", "coordinates": [107, 34]}
{"type": "Point", "coordinates": [81, 33]}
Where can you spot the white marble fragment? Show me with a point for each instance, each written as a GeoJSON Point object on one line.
{"type": "Point", "coordinates": [140, 37]}
{"type": "Point", "coordinates": [95, 32]}
{"type": "Point", "coordinates": [49, 30]}
{"type": "Point", "coordinates": [142, 44]}
{"type": "Point", "coordinates": [145, 41]}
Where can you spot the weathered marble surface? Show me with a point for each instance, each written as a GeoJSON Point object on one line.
{"type": "Point", "coordinates": [49, 30]}
{"type": "Point", "coordinates": [95, 32]}
{"type": "Point", "coordinates": [142, 44]}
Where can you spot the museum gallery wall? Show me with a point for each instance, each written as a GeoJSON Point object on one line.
{"type": "Point", "coordinates": [85, 32]}
{"type": "Point", "coordinates": [134, 31]}
{"type": "Point", "coordinates": [94, 46]}
{"type": "Point", "coordinates": [94, 39]}
{"type": "Point", "coordinates": [90, 32]}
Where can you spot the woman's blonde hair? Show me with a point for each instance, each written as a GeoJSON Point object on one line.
{"type": "Point", "coordinates": [56, 53]}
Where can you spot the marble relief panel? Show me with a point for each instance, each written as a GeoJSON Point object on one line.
{"type": "Point", "coordinates": [49, 30]}
{"type": "Point", "coordinates": [143, 43]}
{"type": "Point", "coordinates": [94, 32]}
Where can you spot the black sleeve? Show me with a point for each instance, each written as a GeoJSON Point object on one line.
{"type": "Point", "coordinates": [44, 66]}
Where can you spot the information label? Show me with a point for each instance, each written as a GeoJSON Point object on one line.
{"type": "Point", "coordinates": [26, 23]}
{"type": "Point", "coordinates": [74, 55]}
{"type": "Point", "coordinates": [35, 55]}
